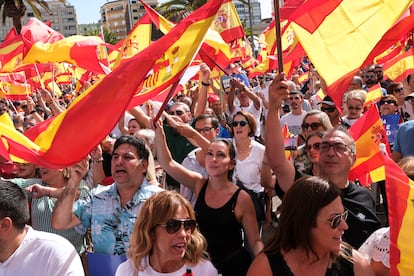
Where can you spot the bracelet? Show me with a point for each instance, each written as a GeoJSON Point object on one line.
{"type": "Point", "coordinates": [205, 84]}
{"type": "Point", "coordinates": [100, 160]}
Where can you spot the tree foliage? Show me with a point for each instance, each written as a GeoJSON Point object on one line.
{"type": "Point", "coordinates": [16, 10]}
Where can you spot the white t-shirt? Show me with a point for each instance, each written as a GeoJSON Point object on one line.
{"type": "Point", "coordinates": [294, 122]}
{"type": "Point", "coordinates": [42, 253]}
{"type": "Point", "coordinates": [248, 170]}
{"type": "Point", "coordinates": [203, 268]}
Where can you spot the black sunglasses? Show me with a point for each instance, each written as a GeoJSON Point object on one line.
{"type": "Point", "coordinates": [401, 89]}
{"type": "Point", "coordinates": [388, 102]}
{"type": "Point", "coordinates": [313, 126]}
{"type": "Point", "coordinates": [328, 109]}
{"type": "Point", "coordinates": [177, 112]}
{"type": "Point", "coordinates": [314, 146]}
{"type": "Point", "coordinates": [336, 220]}
{"type": "Point", "coordinates": [241, 123]}
{"type": "Point", "coordinates": [173, 225]}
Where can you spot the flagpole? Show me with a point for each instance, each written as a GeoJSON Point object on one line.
{"type": "Point", "coordinates": [164, 104]}
{"type": "Point", "coordinates": [215, 63]}
{"type": "Point", "coordinates": [278, 36]}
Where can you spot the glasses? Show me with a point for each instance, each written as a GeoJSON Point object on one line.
{"type": "Point", "coordinates": [241, 123]}
{"type": "Point", "coordinates": [398, 90]}
{"type": "Point", "coordinates": [328, 109]}
{"type": "Point", "coordinates": [313, 126]}
{"type": "Point", "coordinates": [354, 108]}
{"type": "Point", "coordinates": [315, 146]}
{"type": "Point", "coordinates": [388, 102]}
{"type": "Point", "coordinates": [370, 76]}
{"type": "Point", "coordinates": [336, 220]}
{"type": "Point", "coordinates": [337, 146]}
{"type": "Point", "coordinates": [173, 225]}
{"type": "Point", "coordinates": [204, 130]}
{"type": "Point", "coordinates": [177, 112]}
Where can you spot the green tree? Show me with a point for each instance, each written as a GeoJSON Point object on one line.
{"type": "Point", "coordinates": [16, 10]}
{"type": "Point", "coordinates": [109, 37]}
{"type": "Point", "coordinates": [176, 10]}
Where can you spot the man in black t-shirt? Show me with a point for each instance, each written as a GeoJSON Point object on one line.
{"type": "Point", "coordinates": [337, 155]}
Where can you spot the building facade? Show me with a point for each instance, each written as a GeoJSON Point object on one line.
{"type": "Point", "coordinates": [63, 18]}
{"type": "Point", "coordinates": [119, 17]}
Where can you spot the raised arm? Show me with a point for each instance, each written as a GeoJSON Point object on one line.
{"type": "Point", "coordinates": [275, 150]}
{"type": "Point", "coordinates": [184, 176]}
{"type": "Point", "coordinates": [202, 96]}
{"type": "Point", "coordinates": [62, 216]}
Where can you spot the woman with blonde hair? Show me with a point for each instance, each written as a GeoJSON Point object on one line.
{"type": "Point", "coordinates": [165, 239]}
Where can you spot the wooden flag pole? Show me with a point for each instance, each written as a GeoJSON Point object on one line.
{"type": "Point", "coordinates": [278, 37]}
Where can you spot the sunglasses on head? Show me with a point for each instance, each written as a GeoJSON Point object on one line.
{"type": "Point", "coordinates": [313, 126]}
{"type": "Point", "coordinates": [314, 146]}
{"type": "Point", "coordinates": [336, 220]}
{"type": "Point", "coordinates": [172, 226]}
{"type": "Point", "coordinates": [241, 123]}
{"type": "Point", "coordinates": [328, 109]}
{"type": "Point", "coordinates": [177, 112]}
{"type": "Point", "coordinates": [388, 102]}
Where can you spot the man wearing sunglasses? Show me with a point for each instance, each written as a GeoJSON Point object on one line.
{"type": "Point", "coordinates": [337, 155]}
{"type": "Point", "coordinates": [328, 106]}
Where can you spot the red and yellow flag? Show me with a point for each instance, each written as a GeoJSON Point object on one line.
{"type": "Point", "coordinates": [398, 68]}
{"type": "Point", "coordinates": [98, 109]}
{"type": "Point", "coordinates": [368, 133]}
{"type": "Point", "coordinates": [349, 24]}
{"type": "Point", "coordinates": [400, 198]}
{"type": "Point", "coordinates": [374, 95]}
{"type": "Point", "coordinates": [227, 22]}
{"type": "Point", "coordinates": [169, 69]}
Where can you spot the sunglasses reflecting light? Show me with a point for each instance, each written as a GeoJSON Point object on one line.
{"type": "Point", "coordinates": [172, 226]}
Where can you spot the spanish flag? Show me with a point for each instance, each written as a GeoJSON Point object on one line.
{"type": "Point", "coordinates": [227, 22]}
{"type": "Point", "coordinates": [342, 42]}
{"type": "Point", "coordinates": [96, 111]}
{"type": "Point", "coordinates": [368, 133]}
{"type": "Point", "coordinates": [400, 196]}
{"type": "Point", "coordinates": [374, 95]}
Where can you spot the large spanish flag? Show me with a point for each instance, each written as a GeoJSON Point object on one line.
{"type": "Point", "coordinates": [400, 196]}
{"type": "Point", "coordinates": [68, 137]}
{"type": "Point", "coordinates": [342, 42]}
{"type": "Point", "coordinates": [172, 65]}
{"type": "Point", "coordinates": [368, 133]}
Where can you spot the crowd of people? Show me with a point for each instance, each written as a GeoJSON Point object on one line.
{"type": "Point", "coordinates": [196, 191]}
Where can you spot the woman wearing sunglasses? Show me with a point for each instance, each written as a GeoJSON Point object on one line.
{"type": "Point", "coordinates": [223, 209]}
{"type": "Point", "coordinates": [312, 144]}
{"type": "Point", "coordinates": [404, 107]}
{"type": "Point", "coordinates": [314, 120]}
{"type": "Point", "coordinates": [308, 240]}
{"type": "Point", "coordinates": [249, 170]}
{"type": "Point", "coordinates": [166, 240]}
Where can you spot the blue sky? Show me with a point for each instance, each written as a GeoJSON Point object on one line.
{"type": "Point", "coordinates": [88, 10]}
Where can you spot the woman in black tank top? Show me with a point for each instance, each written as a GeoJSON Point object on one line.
{"type": "Point", "coordinates": [222, 209]}
{"type": "Point", "coordinates": [308, 239]}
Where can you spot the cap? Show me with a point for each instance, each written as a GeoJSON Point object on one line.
{"type": "Point", "coordinates": [327, 100]}
{"type": "Point", "coordinates": [409, 96]}
{"type": "Point", "coordinates": [213, 98]}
